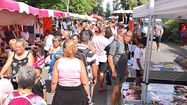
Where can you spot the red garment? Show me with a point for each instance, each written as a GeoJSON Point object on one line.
{"type": "Point", "coordinates": [47, 24]}
{"type": "Point", "coordinates": [131, 25]}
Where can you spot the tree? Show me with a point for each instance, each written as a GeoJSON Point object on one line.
{"type": "Point", "coordinates": [108, 11]}
{"type": "Point", "coordinates": [127, 4]}
{"type": "Point", "coordinates": [116, 5]}
{"type": "Point", "coordinates": [75, 6]}
{"type": "Point", "coordinates": [98, 9]}
{"type": "Point", "coordinates": [140, 2]}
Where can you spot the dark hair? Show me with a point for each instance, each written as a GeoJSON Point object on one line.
{"type": "Point", "coordinates": [100, 29]}
{"type": "Point", "coordinates": [77, 35]}
{"type": "Point", "coordinates": [48, 31]}
{"type": "Point", "coordinates": [143, 41]}
{"type": "Point", "coordinates": [108, 32]}
{"type": "Point", "coordinates": [38, 68]}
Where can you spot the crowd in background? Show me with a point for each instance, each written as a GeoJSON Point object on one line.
{"type": "Point", "coordinates": [77, 57]}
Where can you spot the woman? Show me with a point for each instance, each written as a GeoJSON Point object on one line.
{"type": "Point", "coordinates": [17, 59]}
{"type": "Point", "coordinates": [54, 53]}
{"type": "Point", "coordinates": [69, 78]}
{"type": "Point", "coordinates": [75, 38]}
{"type": "Point", "coordinates": [26, 79]}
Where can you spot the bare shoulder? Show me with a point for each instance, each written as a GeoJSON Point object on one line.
{"type": "Point", "coordinates": [11, 54]}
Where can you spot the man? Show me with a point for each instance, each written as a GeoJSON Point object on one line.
{"type": "Point", "coordinates": [117, 59]}
{"type": "Point", "coordinates": [158, 34]}
{"type": "Point", "coordinates": [48, 42]}
{"type": "Point", "coordinates": [100, 42]}
{"type": "Point", "coordinates": [55, 31]}
{"type": "Point", "coordinates": [91, 66]}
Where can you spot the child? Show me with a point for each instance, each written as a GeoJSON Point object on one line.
{"type": "Point", "coordinates": [39, 88]}
{"type": "Point", "coordinates": [138, 61]}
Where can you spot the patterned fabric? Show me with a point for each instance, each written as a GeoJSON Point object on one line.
{"type": "Point", "coordinates": [90, 58]}
{"type": "Point", "coordinates": [54, 58]}
{"type": "Point", "coordinates": [16, 64]}
{"type": "Point", "coordinates": [39, 87]}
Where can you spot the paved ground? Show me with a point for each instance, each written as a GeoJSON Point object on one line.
{"type": "Point", "coordinates": [167, 53]}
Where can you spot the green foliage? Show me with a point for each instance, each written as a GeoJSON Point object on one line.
{"type": "Point", "coordinates": [171, 29]}
{"type": "Point", "coordinates": [116, 4]}
{"type": "Point", "coordinates": [140, 2]}
{"type": "Point", "coordinates": [127, 4]}
{"type": "Point", "coordinates": [108, 11]}
{"type": "Point", "coordinates": [98, 9]}
{"type": "Point", "coordinates": [75, 6]}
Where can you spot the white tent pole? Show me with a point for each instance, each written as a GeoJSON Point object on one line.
{"type": "Point", "coordinates": [145, 66]}
{"type": "Point", "coordinates": [149, 50]}
{"type": "Point", "coordinates": [146, 69]}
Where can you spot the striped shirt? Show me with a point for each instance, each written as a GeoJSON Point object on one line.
{"type": "Point", "coordinates": [90, 59]}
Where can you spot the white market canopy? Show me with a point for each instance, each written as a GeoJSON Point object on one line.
{"type": "Point", "coordinates": [82, 17]}
{"type": "Point", "coordinates": [122, 11]}
{"type": "Point", "coordinates": [173, 9]}
{"type": "Point", "coordinates": [13, 12]}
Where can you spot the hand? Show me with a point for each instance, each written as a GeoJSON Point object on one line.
{"type": "Point", "coordinates": [141, 72]}
{"type": "Point", "coordinates": [94, 80]}
{"type": "Point", "coordinates": [114, 74]}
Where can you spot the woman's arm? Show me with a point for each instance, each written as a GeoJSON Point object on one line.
{"type": "Point", "coordinates": [54, 77]}
{"type": "Point", "coordinates": [30, 59]}
{"type": "Point", "coordinates": [44, 95]}
{"type": "Point", "coordinates": [7, 64]}
{"type": "Point", "coordinates": [84, 78]}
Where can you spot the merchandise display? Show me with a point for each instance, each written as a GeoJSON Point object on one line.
{"type": "Point", "coordinates": [131, 94]}
{"type": "Point", "coordinates": [182, 61]}
{"type": "Point", "coordinates": [164, 71]}
{"type": "Point", "coordinates": [157, 94]}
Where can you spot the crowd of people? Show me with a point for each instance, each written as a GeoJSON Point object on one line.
{"type": "Point", "coordinates": [78, 57]}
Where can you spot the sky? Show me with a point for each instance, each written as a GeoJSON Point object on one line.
{"type": "Point", "coordinates": [105, 3]}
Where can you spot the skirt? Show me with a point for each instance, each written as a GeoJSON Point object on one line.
{"type": "Point", "coordinates": [70, 96]}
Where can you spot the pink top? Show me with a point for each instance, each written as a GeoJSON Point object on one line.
{"type": "Point", "coordinates": [69, 72]}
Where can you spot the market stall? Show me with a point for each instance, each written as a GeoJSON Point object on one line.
{"type": "Point", "coordinates": [175, 9]}
{"type": "Point", "coordinates": [12, 12]}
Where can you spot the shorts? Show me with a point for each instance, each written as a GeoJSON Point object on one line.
{"type": "Point", "coordinates": [117, 81]}
{"type": "Point", "coordinates": [158, 39]}
{"type": "Point", "coordinates": [102, 67]}
{"type": "Point", "coordinates": [138, 74]}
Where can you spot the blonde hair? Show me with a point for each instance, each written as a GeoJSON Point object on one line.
{"type": "Point", "coordinates": [12, 41]}
{"type": "Point", "coordinates": [59, 39]}
{"type": "Point", "coordinates": [129, 33]}
{"type": "Point", "coordinates": [67, 45]}
{"type": "Point", "coordinates": [25, 43]}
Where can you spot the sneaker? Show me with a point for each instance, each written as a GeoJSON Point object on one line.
{"type": "Point", "coordinates": [91, 102]}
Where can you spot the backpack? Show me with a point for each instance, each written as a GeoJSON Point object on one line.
{"type": "Point", "coordinates": [107, 48]}
{"type": "Point", "coordinates": [81, 54]}
{"type": "Point", "coordinates": [21, 100]}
